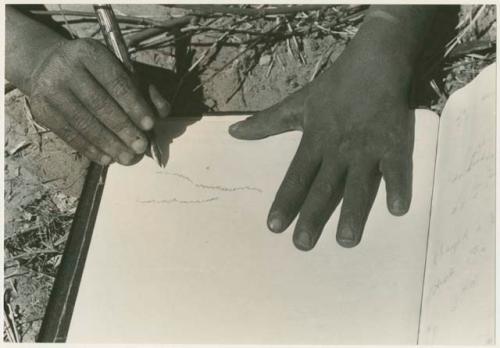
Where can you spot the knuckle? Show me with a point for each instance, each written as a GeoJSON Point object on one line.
{"type": "Point", "coordinates": [71, 138]}
{"type": "Point", "coordinates": [88, 42]}
{"type": "Point", "coordinates": [123, 128]}
{"type": "Point", "coordinates": [105, 142]}
{"type": "Point", "coordinates": [94, 157]}
{"type": "Point", "coordinates": [44, 120]}
{"type": "Point", "coordinates": [91, 150]}
{"type": "Point", "coordinates": [38, 101]}
{"type": "Point", "coordinates": [67, 55]}
{"type": "Point", "coordinates": [120, 86]}
{"type": "Point", "coordinates": [93, 45]}
{"type": "Point", "coordinates": [140, 109]}
{"type": "Point", "coordinates": [55, 63]}
{"type": "Point", "coordinates": [99, 103]}
{"type": "Point", "coordinates": [396, 162]}
{"type": "Point", "coordinates": [67, 134]}
{"type": "Point", "coordinates": [73, 44]}
{"type": "Point", "coordinates": [108, 143]}
{"type": "Point", "coordinates": [323, 188]}
{"type": "Point", "coordinates": [56, 67]}
{"type": "Point", "coordinates": [294, 180]}
{"type": "Point", "coordinates": [292, 122]}
{"type": "Point", "coordinates": [46, 85]}
{"type": "Point", "coordinates": [48, 77]}
{"type": "Point", "coordinates": [85, 124]}
{"type": "Point", "coordinates": [41, 111]}
{"type": "Point", "coordinates": [79, 46]}
{"type": "Point", "coordinates": [84, 49]}
{"type": "Point", "coordinates": [99, 133]}
{"type": "Point", "coordinates": [396, 140]}
{"type": "Point", "coordinates": [114, 119]}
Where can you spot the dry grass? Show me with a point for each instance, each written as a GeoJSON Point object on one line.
{"type": "Point", "coordinates": [33, 251]}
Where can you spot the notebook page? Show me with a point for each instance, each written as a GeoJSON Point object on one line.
{"type": "Point", "coordinates": [459, 294]}
{"type": "Point", "coordinates": [183, 255]}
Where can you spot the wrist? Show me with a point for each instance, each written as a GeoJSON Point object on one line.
{"type": "Point", "coordinates": [27, 44]}
{"type": "Point", "coordinates": [384, 39]}
{"type": "Point", "coordinates": [376, 63]}
{"type": "Point", "coordinates": [395, 33]}
{"type": "Point", "coordinates": [45, 52]}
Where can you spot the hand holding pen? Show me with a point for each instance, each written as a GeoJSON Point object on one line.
{"type": "Point", "coordinates": [115, 42]}
{"type": "Point", "coordinates": [79, 90]}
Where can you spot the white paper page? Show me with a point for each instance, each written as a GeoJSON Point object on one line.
{"type": "Point", "coordinates": [459, 297]}
{"type": "Point", "coordinates": [183, 255]}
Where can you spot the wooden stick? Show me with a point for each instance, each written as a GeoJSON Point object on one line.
{"type": "Point", "coordinates": [122, 18]}
{"type": "Point", "coordinates": [57, 317]}
{"type": "Point", "coordinates": [211, 77]}
{"type": "Point", "coordinates": [10, 323]}
{"type": "Point", "coordinates": [31, 254]}
{"type": "Point", "coordinates": [165, 26]}
{"type": "Point", "coordinates": [149, 33]}
{"type": "Point", "coordinates": [201, 10]}
{"type": "Point", "coordinates": [456, 40]}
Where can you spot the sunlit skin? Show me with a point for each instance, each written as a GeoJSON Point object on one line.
{"type": "Point", "coordinates": [357, 128]}
{"type": "Point", "coordinates": [356, 123]}
{"type": "Point", "coordinates": [80, 91]}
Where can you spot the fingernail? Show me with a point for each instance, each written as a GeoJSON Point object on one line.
{"type": "Point", "coordinates": [303, 241]}
{"type": "Point", "coordinates": [147, 123]}
{"type": "Point", "coordinates": [397, 207]}
{"type": "Point", "coordinates": [234, 127]}
{"type": "Point", "coordinates": [164, 109]}
{"type": "Point", "coordinates": [105, 160]}
{"type": "Point", "coordinates": [125, 157]}
{"type": "Point", "coordinates": [346, 237]}
{"type": "Point", "coordinates": [275, 223]}
{"type": "Point", "coordinates": [139, 145]}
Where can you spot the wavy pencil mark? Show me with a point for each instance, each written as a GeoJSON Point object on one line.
{"type": "Point", "coordinates": [228, 189]}
{"type": "Point", "coordinates": [211, 187]}
{"type": "Point", "coordinates": [175, 200]}
{"type": "Point", "coordinates": [178, 175]}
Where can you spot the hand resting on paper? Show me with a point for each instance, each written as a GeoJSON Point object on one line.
{"type": "Point", "coordinates": [357, 128]}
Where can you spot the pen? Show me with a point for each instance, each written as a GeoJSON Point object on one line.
{"type": "Point", "coordinates": [115, 42]}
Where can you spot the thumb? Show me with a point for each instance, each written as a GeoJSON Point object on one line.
{"type": "Point", "coordinates": [282, 117]}
{"type": "Point", "coordinates": [161, 104]}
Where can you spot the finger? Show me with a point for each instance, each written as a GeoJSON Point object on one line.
{"type": "Point", "coordinates": [97, 100]}
{"type": "Point", "coordinates": [67, 133]}
{"type": "Point", "coordinates": [294, 188]}
{"type": "Point", "coordinates": [76, 114]}
{"type": "Point", "coordinates": [322, 199]}
{"type": "Point", "coordinates": [136, 159]}
{"type": "Point", "coordinates": [280, 118]}
{"type": "Point", "coordinates": [161, 104]}
{"type": "Point", "coordinates": [112, 75]}
{"type": "Point", "coordinates": [360, 190]}
{"type": "Point", "coordinates": [397, 174]}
